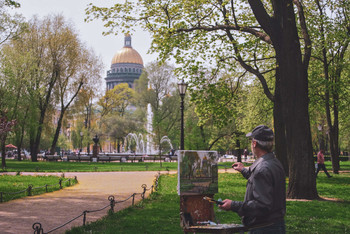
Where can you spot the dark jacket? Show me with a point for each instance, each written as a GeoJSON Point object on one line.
{"type": "Point", "coordinates": [265, 197]}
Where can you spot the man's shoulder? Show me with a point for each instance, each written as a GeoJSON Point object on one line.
{"type": "Point", "coordinates": [269, 162]}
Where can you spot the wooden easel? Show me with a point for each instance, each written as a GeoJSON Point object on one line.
{"type": "Point", "coordinates": [196, 213]}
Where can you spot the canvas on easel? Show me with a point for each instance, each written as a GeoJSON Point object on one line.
{"type": "Point", "coordinates": [197, 172]}
{"type": "Point", "coordinates": [197, 178]}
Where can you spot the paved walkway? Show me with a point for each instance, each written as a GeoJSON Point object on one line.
{"type": "Point", "coordinates": [56, 208]}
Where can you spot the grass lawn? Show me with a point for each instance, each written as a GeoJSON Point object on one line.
{"type": "Point", "coordinates": [16, 186]}
{"type": "Point", "coordinates": [43, 166]}
{"type": "Point", "coordinates": [160, 213]}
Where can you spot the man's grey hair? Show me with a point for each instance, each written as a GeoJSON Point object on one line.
{"type": "Point", "coordinates": [265, 145]}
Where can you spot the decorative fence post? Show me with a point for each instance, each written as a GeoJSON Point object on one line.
{"type": "Point", "coordinates": [112, 203]}
{"type": "Point", "coordinates": [0, 196]}
{"type": "Point", "coordinates": [84, 218]}
{"type": "Point", "coordinates": [133, 199]}
{"type": "Point", "coordinates": [37, 228]}
{"type": "Point", "coordinates": [60, 183]}
{"type": "Point", "coordinates": [144, 186]}
{"type": "Point", "coordinates": [29, 190]}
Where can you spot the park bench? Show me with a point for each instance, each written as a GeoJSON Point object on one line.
{"type": "Point", "coordinates": [53, 157]}
{"type": "Point", "coordinates": [107, 158]}
{"type": "Point", "coordinates": [72, 158]}
{"type": "Point", "coordinates": [86, 158]}
{"type": "Point", "coordinates": [78, 158]}
{"type": "Point", "coordinates": [103, 158]}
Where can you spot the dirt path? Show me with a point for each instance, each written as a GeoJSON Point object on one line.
{"type": "Point", "coordinates": [55, 209]}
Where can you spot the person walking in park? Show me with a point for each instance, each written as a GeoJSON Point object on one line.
{"type": "Point", "coordinates": [264, 204]}
{"type": "Point", "coordinates": [245, 153]}
{"type": "Point", "coordinates": [320, 164]}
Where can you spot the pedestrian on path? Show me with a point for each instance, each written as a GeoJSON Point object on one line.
{"type": "Point", "coordinates": [320, 164]}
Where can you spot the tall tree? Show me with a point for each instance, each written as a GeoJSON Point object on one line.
{"type": "Point", "coordinates": [331, 34]}
{"type": "Point", "coordinates": [216, 32]}
{"type": "Point", "coordinates": [56, 71]}
{"type": "Point", "coordinates": [15, 97]}
{"type": "Point", "coordinates": [114, 110]}
{"type": "Point", "coordinates": [79, 66]}
{"type": "Point", "coordinates": [10, 27]}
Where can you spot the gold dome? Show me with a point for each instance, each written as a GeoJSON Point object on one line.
{"type": "Point", "coordinates": [127, 55]}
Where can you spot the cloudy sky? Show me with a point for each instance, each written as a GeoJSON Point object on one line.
{"type": "Point", "coordinates": [90, 33]}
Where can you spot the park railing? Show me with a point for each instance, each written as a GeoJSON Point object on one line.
{"type": "Point", "coordinates": [38, 229]}
{"type": "Point", "coordinates": [30, 189]}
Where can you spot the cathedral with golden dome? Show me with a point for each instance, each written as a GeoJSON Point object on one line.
{"type": "Point", "coordinates": [127, 66]}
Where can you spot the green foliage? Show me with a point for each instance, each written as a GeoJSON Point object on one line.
{"type": "Point", "coordinates": [203, 41]}
{"type": "Point", "coordinates": [195, 34]}
{"type": "Point", "coordinates": [216, 101]}
{"type": "Point", "coordinates": [328, 71]}
{"type": "Point", "coordinates": [116, 100]}
{"type": "Point", "coordinates": [253, 108]}
{"type": "Point", "coordinates": [44, 69]}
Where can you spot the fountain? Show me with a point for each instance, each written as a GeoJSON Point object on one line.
{"type": "Point", "coordinates": [166, 139]}
{"type": "Point", "coordinates": [133, 138]}
{"type": "Point", "coordinates": [150, 146]}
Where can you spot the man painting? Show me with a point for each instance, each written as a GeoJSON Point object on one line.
{"type": "Point", "coordinates": [264, 204]}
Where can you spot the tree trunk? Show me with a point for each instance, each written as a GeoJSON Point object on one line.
{"type": "Point", "coordinates": [280, 130]}
{"type": "Point", "coordinates": [36, 144]}
{"type": "Point", "coordinates": [294, 98]}
{"type": "Point", "coordinates": [19, 145]}
{"type": "Point", "coordinates": [333, 145]}
{"type": "Point", "coordinates": [57, 133]}
{"type": "Point", "coordinates": [292, 85]}
{"type": "Point", "coordinates": [118, 146]}
{"type": "Point", "coordinates": [333, 128]}
{"type": "Point", "coordinates": [3, 151]}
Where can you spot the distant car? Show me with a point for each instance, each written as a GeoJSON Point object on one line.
{"type": "Point", "coordinates": [230, 156]}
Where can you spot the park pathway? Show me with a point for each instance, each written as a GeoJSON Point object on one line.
{"type": "Point", "coordinates": [56, 208]}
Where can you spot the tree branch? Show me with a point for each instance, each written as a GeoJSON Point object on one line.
{"type": "Point", "coordinates": [263, 36]}
{"type": "Point", "coordinates": [304, 31]}
{"type": "Point", "coordinates": [261, 15]}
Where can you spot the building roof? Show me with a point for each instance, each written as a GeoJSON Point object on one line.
{"type": "Point", "coordinates": [127, 54]}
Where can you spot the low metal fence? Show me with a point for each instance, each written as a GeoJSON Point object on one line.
{"type": "Point", "coordinates": [29, 190]}
{"type": "Point", "coordinates": [38, 229]}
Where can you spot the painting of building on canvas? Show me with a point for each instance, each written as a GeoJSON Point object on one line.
{"type": "Point", "coordinates": [197, 172]}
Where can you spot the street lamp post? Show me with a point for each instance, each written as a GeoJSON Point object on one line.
{"type": "Point", "coordinates": [81, 142]}
{"type": "Point", "coordinates": [182, 91]}
{"type": "Point", "coordinates": [95, 148]}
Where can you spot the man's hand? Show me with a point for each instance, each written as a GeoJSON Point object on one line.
{"type": "Point", "coordinates": [238, 166]}
{"type": "Point", "coordinates": [226, 205]}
